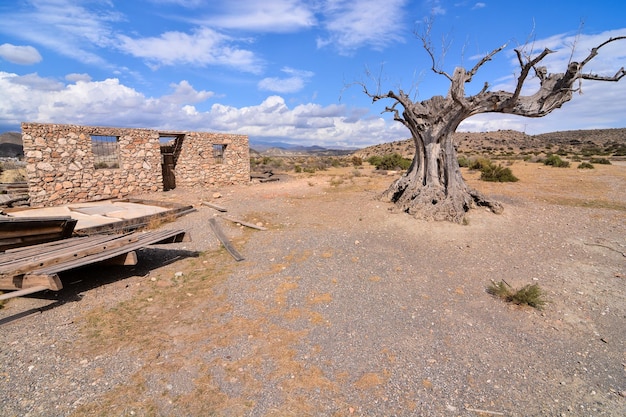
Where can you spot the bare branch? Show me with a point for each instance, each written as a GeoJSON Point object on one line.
{"type": "Point", "coordinates": [594, 51]}
{"type": "Point", "coordinates": [618, 76]}
{"type": "Point", "coordinates": [480, 63]}
{"type": "Point", "coordinates": [428, 47]}
{"type": "Point", "coordinates": [525, 70]}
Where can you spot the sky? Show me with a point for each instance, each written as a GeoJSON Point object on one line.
{"type": "Point", "coordinates": [291, 70]}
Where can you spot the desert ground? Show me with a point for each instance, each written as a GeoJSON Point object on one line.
{"type": "Point", "coordinates": [342, 307]}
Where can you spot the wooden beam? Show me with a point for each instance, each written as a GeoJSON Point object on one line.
{"type": "Point", "coordinates": [20, 282]}
{"type": "Point", "coordinates": [214, 206]}
{"type": "Point", "coordinates": [222, 238]}
{"type": "Point", "coordinates": [251, 225]}
{"type": "Point", "coordinates": [20, 293]}
{"type": "Point", "coordinates": [125, 259]}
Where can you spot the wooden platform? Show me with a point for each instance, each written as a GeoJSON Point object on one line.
{"type": "Point", "coordinates": [35, 268]}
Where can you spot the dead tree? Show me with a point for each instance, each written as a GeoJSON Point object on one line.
{"type": "Point", "coordinates": [432, 187]}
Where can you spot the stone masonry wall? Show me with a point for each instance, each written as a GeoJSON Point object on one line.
{"type": "Point", "coordinates": [197, 166]}
{"type": "Point", "coordinates": [61, 163]}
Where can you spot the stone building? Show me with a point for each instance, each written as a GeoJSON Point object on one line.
{"type": "Point", "coordinates": [72, 163]}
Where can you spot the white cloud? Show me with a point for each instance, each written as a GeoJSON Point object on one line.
{"type": "Point", "coordinates": [110, 103]}
{"type": "Point", "coordinates": [62, 26]}
{"type": "Point", "coordinates": [356, 23]}
{"type": "Point", "coordinates": [200, 48]}
{"type": "Point", "coordinates": [266, 16]}
{"type": "Point", "coordinates": [22, 55]}
{"type": "Point", "coordinates": [77, 77]}
{"type": "Point", "coordinates": [292, 84]}
{"type": "Point", "coordinates": [479, 5]}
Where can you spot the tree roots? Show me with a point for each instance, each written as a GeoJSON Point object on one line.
{"type": "Point", "coordinates": [435, 203]}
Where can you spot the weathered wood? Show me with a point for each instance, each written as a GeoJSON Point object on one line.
{"type": "Point", "coordinates": [19, 293]}
{"type": "Point", "coordinates": [214, 206]}
{"type": "Point", "coordinates": [39, 267]}
{"type": "Point", "coordinates": [251, 225]}
{"type": "Point", "coordinates": [125, 259]}
{"type": "Point", "coordinates": [19, 282]}
{"type": "Point", "coordinates": [23, 231]}
{"type": "Point", "coordinates": [225, 242]}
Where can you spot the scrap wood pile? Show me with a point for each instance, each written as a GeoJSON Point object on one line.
{"type": "Point", "coordinates": [35, 268]}
{"type": "Point", "coordinates": [14, 194]}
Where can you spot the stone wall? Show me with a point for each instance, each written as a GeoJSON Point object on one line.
{"type": "Point", "coordinates": [197, 166]}
{"type": "Point", "coordinates": [62, 167]}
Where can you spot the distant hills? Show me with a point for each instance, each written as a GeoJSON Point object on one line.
{"type": "Point", "coordinates": [501, 142]}
{"type": "Point", "coordinates": [11, 145]}
{"type": "Point", "coordinates": [511, 142]}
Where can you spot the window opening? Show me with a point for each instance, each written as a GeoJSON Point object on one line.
{"type": "Point", "coordinates": [218, 153]}
{"type": "Point", "coordinates": [106, 151]}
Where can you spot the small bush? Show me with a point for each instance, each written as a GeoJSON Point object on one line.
{"type": "Point", "coordinates": [391, 161]}
{"type": "Point", "coordinates": [463, 162]}
{"type": "Point", "coordinates": [530, 295]}
{"type": "Point", "coordinates": [297, 168]}
{"type": "Point", "coordinates": [356, 161]}
{"type": "Point", "coordinates": [480, 163]}
{"type": "Point", "coordinates": [585, 165]}
{"type": "Point", "coordinates": [497, 173]}
{"type": "Point", "coordinates": [601, 161]}
{"type": "Point", "coordinates": [555, 161]}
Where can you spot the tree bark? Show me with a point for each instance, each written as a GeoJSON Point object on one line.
{"type": "Point", "coordinates": [433, 187]}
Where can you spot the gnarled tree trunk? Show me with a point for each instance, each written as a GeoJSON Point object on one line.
{"type": "Point", "coordinates": [433, 187]}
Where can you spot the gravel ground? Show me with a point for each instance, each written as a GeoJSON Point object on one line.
{"type": "Point", "coordinates": [340, 308]}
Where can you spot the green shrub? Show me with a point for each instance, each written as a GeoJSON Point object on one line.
{"type": "Point", "coordinates": [555, 161]}
{"type": "Point", "coordinates": [374, 160]}
{"type": "Point", "coordinates": [530, 295]}
{"type": "Point", "coordinates": [297, 168]}
{"type": "Point", "coordinates": [497, 173]}
{"type": "Point", "coordinates": [585, 165]}
{"type": "Point", "coordinates": [601, 161]}
{"type": "Point", "coordinates": [391, 161]}
{"type": "Point", "coordinates": [463, 162]}
{"type": "Point", "coordinates": [480, 163]}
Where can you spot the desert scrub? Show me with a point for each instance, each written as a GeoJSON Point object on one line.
{"type": "Point", "coordinates": [497, 173]}
{"type": "Point", "coordinates": [585, 165]}
{"type": "Point", "coordinates": [601, 161]}
{"type": "Point", "coordinates": [390, 161]}
{"type": "Point", "coordinates": [530, 295]}
{"type": "Point", "coordinates": [555, 161]}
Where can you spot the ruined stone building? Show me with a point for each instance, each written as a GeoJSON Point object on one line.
{"type": "Point", "coordinates": [72, 163]}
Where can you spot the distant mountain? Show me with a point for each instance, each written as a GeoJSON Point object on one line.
{"type": "Point", "coordinates": [268, 148]}
{"type": "Point", "coordinates": [11, 145]}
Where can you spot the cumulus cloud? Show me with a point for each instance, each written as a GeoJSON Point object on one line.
{"type": "Point", "coordinates": [22, 55]}
{"type": "Point", "coordinates": [201, 47]}
{"type": "Point", "coordinates": [111, 103]}
{"type": "Point", "coordinates": [352, 24]}
{"type": "Point", "coordinates": [291, 84]}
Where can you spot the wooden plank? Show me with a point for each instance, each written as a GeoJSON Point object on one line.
{"type": "Point", "coordinates": [143, 239]}
{"type": "Point", "coordinates": [19, 293]}
{"type": "Point", "coordinates": [214, 206]}
{"type": "Point", "coordinates": [222, 238]}
{"type": "Point", "coordinates": [28, 264]}
{"type": "Point", "coordinates": [43, 271]}
{"type": "Point", "coordinates": [251, 225]}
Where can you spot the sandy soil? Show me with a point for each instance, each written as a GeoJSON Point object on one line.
{"type": "Point", "coordinates": [343, 308]}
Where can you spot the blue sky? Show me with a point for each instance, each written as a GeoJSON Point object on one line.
{"type": "Point", "coordinates": [281, 69]}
